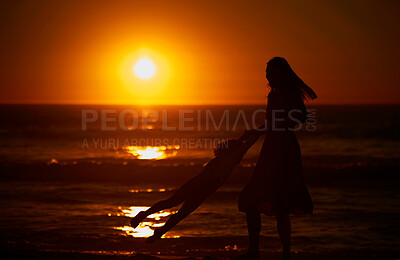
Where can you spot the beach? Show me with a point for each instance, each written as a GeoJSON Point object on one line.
{"type": "Point", "coordinates": [60, 200]}
{"type": "Point", "coordinates": [185, 248]}
{"type": "Point", "coordinates": [355, 216]}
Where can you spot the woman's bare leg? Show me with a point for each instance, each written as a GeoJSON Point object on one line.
{"type": "Point", "coordinates": [253, 219]}
{"type": "Point", "coordinates": [284, 230]}
{"type": "Point", "coordinates": [187, 208]}
{"type": "Point", "coordinates": [164, 204]}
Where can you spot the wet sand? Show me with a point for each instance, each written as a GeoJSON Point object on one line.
{"type": "Point", "coordinates": [379, 241]}
{"type": "Point", "coordinates": [264, 256]}
{"type": "Point", "coordinates": [206, 248]}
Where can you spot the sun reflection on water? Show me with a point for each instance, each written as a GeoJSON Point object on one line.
{"type": "Point", "coordinates": [146, 228]}
{"type": "Point", "coordinates": [152, 152]}
{"type": "Point", "coordinates": [148, 190]}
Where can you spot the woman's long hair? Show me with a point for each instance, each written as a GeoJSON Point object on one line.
{"type": "Point", "coordinates": [281, 76]}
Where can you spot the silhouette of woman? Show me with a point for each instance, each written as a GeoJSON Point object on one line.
{"type": "Point", "coordinates": [277, 186]}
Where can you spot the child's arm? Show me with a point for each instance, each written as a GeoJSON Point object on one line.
{"type": "Point", "coordinates": [248, 141]}
{"type": "Point", "coordinates": [234, 157]}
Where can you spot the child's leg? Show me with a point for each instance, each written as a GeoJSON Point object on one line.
{"type": "Point", "coordinates": [187, 208]}
{"type": "Point", "coordinates": [164, 204]}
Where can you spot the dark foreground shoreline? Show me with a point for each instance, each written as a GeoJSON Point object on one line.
{"type": "Point", "coordinates": [264, 256]}
{"type": "Point", "coordinates": [207, 248]}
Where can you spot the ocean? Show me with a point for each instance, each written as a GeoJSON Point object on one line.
{"type": "Point", "coordinates": [73, 176]}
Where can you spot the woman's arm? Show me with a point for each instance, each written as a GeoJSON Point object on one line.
{"type": "Point", "coordinates": [262, 129]}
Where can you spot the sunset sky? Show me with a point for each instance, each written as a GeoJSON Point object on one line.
{"type": "Point", "coordinates": [204, 52]}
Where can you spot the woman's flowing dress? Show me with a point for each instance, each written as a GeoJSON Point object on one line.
{"type": "Point", "coordinates": [277, 185]}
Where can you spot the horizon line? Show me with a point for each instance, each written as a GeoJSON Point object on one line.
{"type": "Point", "coordinates": [193, 104]}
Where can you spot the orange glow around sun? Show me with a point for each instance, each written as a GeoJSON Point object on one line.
{"type": "Point", "coordinates": [203, 53]}
{"type": "Point", "coordinates": [138, 83]}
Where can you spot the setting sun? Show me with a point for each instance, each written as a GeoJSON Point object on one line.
{"type": "Point", "coordinates": [144, 68]}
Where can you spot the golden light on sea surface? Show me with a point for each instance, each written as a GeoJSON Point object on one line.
{"type": "Point", "coordinates": [151, 152]}
{"type": "Point", "coordinates": [146, 153]}
{"type": "Point", "coordinates": [143, 230]}
{"type": "Point", "coordinates": [146, 228]}
{"type": "Point", "coordinates": [148, 190]}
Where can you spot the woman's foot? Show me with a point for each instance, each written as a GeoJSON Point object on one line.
{"type": "Point", "coordinates": [157, 234]}
{"type": "Point", "coordinates": [249, 255]}
{"type": "Point", "coordinates": [137, 219]}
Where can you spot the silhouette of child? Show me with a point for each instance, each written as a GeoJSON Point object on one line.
{"type": "Point", "coordinates": [193, 193]}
